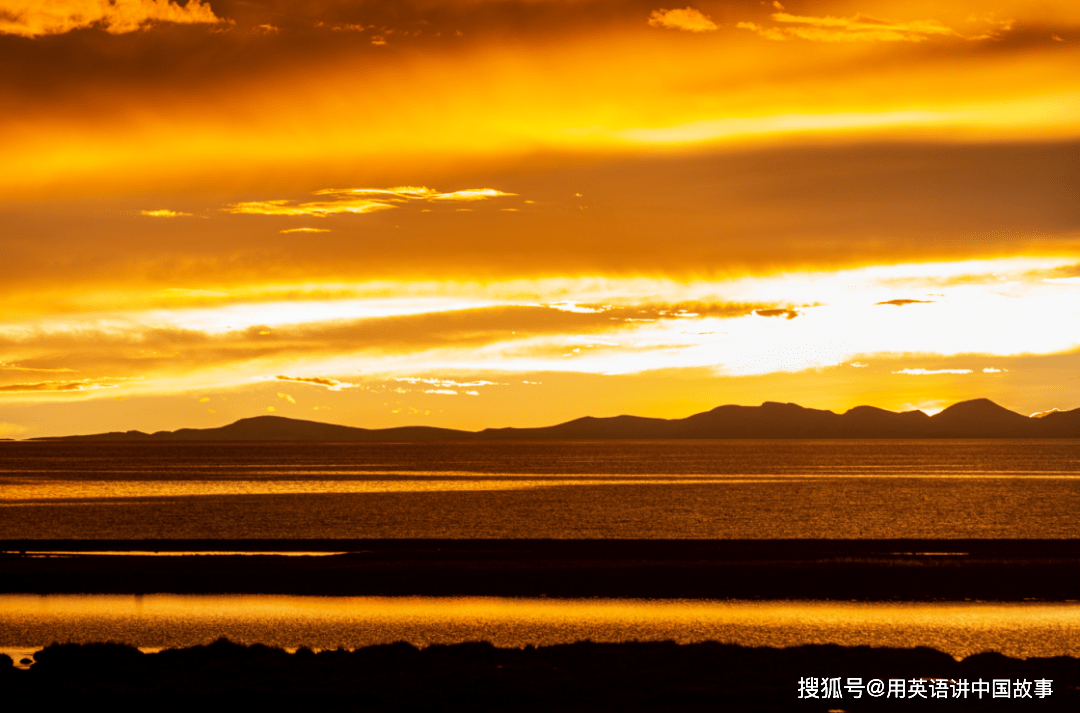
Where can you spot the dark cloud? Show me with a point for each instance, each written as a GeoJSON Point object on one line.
{"type": "Point", "coordinates": [787, 313]}
{"type": "Point", "coordinates": [332, 384]}
{"type": "Point", "coordinates": [782, 207]}
{"type": "Point", "coordinates": [901, 303]}
{"type": "Point", "coordinates": [265, 36]}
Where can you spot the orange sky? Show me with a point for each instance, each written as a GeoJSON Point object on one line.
{"type": "Point", "coordinates": [517, 212]}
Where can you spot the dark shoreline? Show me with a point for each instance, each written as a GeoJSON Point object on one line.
{"type": "Point", "coordinates": [913, 570]}
{"type": "Point", "coordinates": [585, 676]}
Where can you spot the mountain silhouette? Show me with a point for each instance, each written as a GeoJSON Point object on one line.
{"type": "Point", "coordinates": [278, 428]}
{"type": "Point", "coordinates": [979, 418]}
{"type": "Point", "coordinates": [983, 418]}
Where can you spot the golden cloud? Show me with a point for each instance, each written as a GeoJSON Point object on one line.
{"type": "Point", "coordinates": [84, 385]}
{"type": "Point", "coordinates": [787, 313]}
{"type": "Point", "coordinates": [360, 200]}
{"type": "Point", "coordinates": [473, 194]}
{"type": "Point", "coordinates": [401, 192]}
{"type": "Point", "coordinates": [901, 303]}
{"type": "Point", "coordinates": [162, 213]}
{"type": "Point", "coordinates": [305, 230]}
{"type": "Point", "coordinates": [608, 326]}
{"type": "Point", "coordinates": [931, 372]}
{"type": "Point", "coordinates": [405, 193]}
{"type": "Point", "coordinates": [863, 28]}
{"type": "Point", "coordinates": [444, 382]}
{"type": "Point", "coordinates": [29, 18]}
{"type": "Point", "coordinates": [314, 209]}
{"type": "Point", "coordinates": [687, 19]}
{"type": "Point", "coordinates": [332, 384]}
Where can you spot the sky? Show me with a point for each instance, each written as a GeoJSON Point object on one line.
{"type": "Point", "coordinates": [474, 213]}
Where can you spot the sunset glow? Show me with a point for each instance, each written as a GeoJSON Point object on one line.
{"type": "Point", "coordinates": [471, 213]}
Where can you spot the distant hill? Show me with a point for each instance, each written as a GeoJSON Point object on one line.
{"type": "Point", "coordinates": [278, 428]}
{"type": "Point", "coordinates": [980, 418]}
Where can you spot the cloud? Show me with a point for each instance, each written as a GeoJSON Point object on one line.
{"type": "Point", "coordinates": [1040, 414]}
{"type": "Point", "coordinates": [406, 193]}
{"type": "Point", "coordinates": [318, 209]}
{"type": "Point", "coordinates": [400, 193]}
{"type": "Point", "coordinates": [360, 200]}
{"type": "Point", "coordinates": [305, 230]}
{"type": "Point", "coordinates": [445, 392]}
{"type": "Point", "coordinates": [927, 372]}
{"type": "Point", "coordinates": [332, 384]}
{"type": "Point", "coordinates": [789, 313]}
{"type": "Point", "coordinates": [171, 344]}
{"type": "Point", "coordinates": [687, 19]}
{"type": "Point", "coordinates": [83, 385]}
{"type": "Point", "coordinates": [16, 367]}
{"type": "Point", "coordinates": [858, 365]}
{"type": "Point", "coordinates": [863, 28]}
{"type": "Point", "coordinates": [417, 330]}
{"type": "Point", "coordinates": [32, 18]}
{"type": "Point", "coordinates": [444, 382]}
{"type": "Point", "coordinates": [574, 307]}
{"type": "Point", "coordinates": [472, 194]}
{"type": "Point", "coordinates": [348, 27]}
{"type": "Point", "coordinates": [266, 29]}
{"type": "Point", "coordinates": [287, 397]}
{"type": "Point", "coordinates": [162, 213]}
{"type": "Point", "coordinates": [901, 303]}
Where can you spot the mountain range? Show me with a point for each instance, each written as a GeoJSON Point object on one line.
{"type": "Point", "coordinates": [979, 418]}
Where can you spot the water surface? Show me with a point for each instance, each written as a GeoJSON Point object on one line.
{"type": "Point", "coordinates": [161, 621]}
{"type": "Point", "coordinates": [567, 489]}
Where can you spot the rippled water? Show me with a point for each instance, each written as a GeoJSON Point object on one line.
{"type": "Point", "coordinates": [658, 489]}
{"type": "Point", "coordinates": [162, 621]}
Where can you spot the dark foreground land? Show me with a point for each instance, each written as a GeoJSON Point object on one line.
{"type": "Point", "coordinates": [773, 569]}
{"type": "Point", "coordinates": [479, 677]}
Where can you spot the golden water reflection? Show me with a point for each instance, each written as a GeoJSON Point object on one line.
{"type": "Point", "coordinates": [21, 492]}
{"type": "Point", "coordinates": [1025, 629]}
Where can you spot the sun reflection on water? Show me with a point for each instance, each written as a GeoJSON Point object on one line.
{"type": "Point", "coordinates": [1026, 629]}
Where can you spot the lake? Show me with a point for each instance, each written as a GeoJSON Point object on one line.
{"type": "Point", "coordinates": [718, 489]}
{"type": "Point", "coordinates": [1023, 630]}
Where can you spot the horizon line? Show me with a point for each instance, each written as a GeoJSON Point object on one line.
{"type": "Point", "coordinates": [1033, 417]}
